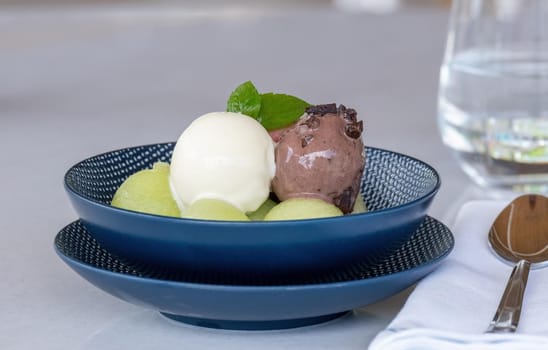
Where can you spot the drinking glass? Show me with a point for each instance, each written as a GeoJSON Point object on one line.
{"type": "Point", "coordinates": [493, 94]}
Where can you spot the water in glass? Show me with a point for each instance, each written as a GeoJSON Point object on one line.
{"type": "Point", "coordinates": [493, 106]}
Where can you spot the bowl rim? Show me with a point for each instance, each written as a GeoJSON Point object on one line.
{"type": "Point", "coordinates": [143, 215]}
{"type": "Point", "coordinates": [262, 288]}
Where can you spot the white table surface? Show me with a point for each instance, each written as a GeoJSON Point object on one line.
{"type": "Point", "coordinates": [77, 83]}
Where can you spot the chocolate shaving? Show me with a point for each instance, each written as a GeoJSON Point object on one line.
{"type": "Point", "coordinates": [345, 201]}
{"type": "Point", "coordinates": [312, 122]}
{"type": "Point", "coordinates": [306, 140]}
{"type": "Point", "coordinates": [351, 115]}
{"type": "Point", "coordinates": [321, 110]}
{"type": "Point", "coordinates": [354, 129]}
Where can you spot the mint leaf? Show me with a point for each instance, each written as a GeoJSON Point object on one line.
{"type": "Point", "coordinates": [245, 99]}
{"type": "Point", "coordinates": [272, 110]}
{"type": "Point", "coordinates": [280, 110]}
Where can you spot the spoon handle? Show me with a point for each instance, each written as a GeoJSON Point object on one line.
{"type": "Point", "coordinates": [507, 316]}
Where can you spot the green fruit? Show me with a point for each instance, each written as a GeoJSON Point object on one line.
{"type": "Point", "coordinates": [359, 205]}
{"type": "Point", "coordinates": [147, 191]}
{"type": "Point", "coordinates": [302, 208]}
{"type": "Point", "coordinates": [214, 209]}
{"type": "Point", "coordinates": [261, 212]}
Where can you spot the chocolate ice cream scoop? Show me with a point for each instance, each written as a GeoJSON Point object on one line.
{"type": "Point", "coordinates": [322, 156]}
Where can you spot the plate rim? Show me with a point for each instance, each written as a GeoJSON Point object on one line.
{"type": "Point", "coordinates": [256, 288]}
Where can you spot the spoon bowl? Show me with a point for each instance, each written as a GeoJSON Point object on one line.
{"type": "Point", "coordinates": [519, 234]}
{"type": "Point", "coordinates": [521, 230]}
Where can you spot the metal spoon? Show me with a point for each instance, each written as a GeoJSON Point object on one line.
{"type": "Point", "coordinates": [520, 235]}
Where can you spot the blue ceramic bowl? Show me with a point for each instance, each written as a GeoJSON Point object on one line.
{"type": "Point", "coordinates": [237, 303]}
{"type": "Point", "coordinates": [397, 190]}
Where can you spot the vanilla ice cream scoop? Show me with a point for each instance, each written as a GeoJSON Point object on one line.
{"type": "Point", "coordinates": [226, 156]}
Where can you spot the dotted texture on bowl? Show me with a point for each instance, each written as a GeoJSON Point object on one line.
{"type": "Point", "coordinates": [431, 241]}
{"type": "Point", "coordinates": [99, 177]}
{"type": "Point", "coordinates": [390, 179]}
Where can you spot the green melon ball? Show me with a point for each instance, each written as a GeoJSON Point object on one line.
{"type": "Point", "coordinates": [359, 205]}
{"type": "Point", "coordinates": [261, 212]}
{"type": "Point", "coordinates": [147, 191]}
{"type": "Point", "coordinates": [302, 208]}
{"type": "Point", "coordinates": [214, 209]}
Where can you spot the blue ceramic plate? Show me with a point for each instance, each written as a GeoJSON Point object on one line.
{"type": "Point", "coordinates": [398, 190]}
{"type": "Point", "coordinates": [241, 302]}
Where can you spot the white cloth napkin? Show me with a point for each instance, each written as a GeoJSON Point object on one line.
{"type": "Point", "coordinates": [452, 307]}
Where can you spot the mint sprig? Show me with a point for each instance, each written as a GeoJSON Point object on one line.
{"type": "Point", "coordinates": [245, 99]}
{"type": "Point", "coordinates": [280, 110]}
{"type": "Point", "coordinates": [272, 110]}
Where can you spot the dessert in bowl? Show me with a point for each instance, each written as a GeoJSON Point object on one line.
{"type": "Point", "coordinates": [397, 189]}
{"type": "Point", "coordinates": [329, 174]}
